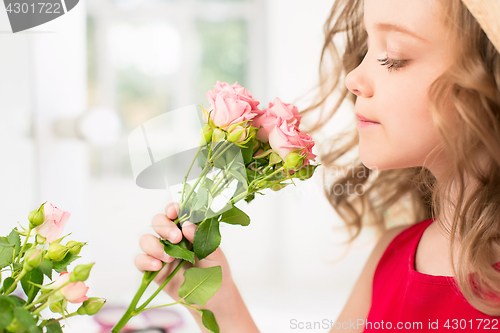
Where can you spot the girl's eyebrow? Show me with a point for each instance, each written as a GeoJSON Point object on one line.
{"type": "Point", "coordinates": [395, 27]}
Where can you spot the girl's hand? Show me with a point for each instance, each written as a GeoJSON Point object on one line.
{"type": "Point", "coordinates": [227, 305]}
{"type": "Point", "coordinates": [154, 254]}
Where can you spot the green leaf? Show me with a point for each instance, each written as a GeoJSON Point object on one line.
{"type": "Point", "coordinates": [200, 284]}
{"type": "Point", "coordinates": [232, 153]}
{"type": "Point", "coordinates": [15, 240]}
{"type": "Point", "coordinates": [247, 152]}
{"type": "Point", "coordinates": [202, 198]}
{"type": "Point", "coordinates": [177, 251]}
{"type": "Point", "coordinates": [206, 238]}
{"type": "Point", "coordinates": [208, 319]}
{"type": "Point", "coordinates": [4, 241]}
{"type": "Point", "coordinates": [6, 311]}
{"type": "Point", "coordinates": [34, 276]}
{"type": "Point", "coordinates": [235, 216]}
{"type": "Point", "coordinates": [26, 320]}
{"type": "Point", "coordinates": [208, 183]}
{"type": "Point", "coordinates": [46, 268]}
{"type": "Point", "coordinates": [61, 266]}
{"type": "Point", "coordinates": [202, 158]}
{"type": "Point", "coordinates": [54, 327]}
{"type": "Point", "coordinates": [236, 172]}
{"type": "Point", "coordinates": [17, 300]}
{"type": "Point", "coordinates": [6, 254]}
{"type": "Point", "coordinates": [7, 283]}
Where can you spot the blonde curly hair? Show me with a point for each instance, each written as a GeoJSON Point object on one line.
{"type": "Point", "coordinates": [472, 85]}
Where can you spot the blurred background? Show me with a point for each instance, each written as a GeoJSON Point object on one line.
{"type": "Point", "coordinates": [73, 89]}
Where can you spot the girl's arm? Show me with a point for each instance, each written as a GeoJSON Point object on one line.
{"type": "Point", "coordinates": [359, 302]}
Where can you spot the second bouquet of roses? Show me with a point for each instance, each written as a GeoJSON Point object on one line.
{"type": "Point", "coordinates": [241, 147]}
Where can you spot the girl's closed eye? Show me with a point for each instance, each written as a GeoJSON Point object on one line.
{"type": "Point", "coordinates": [392, 63]}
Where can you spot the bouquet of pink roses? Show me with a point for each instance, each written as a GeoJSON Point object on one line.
{"type": "Point", "coordinates": [32, 261]}
{"type": "Point", "coordinates": [241, 146]}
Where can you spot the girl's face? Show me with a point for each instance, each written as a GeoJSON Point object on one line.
{"type": "Point", "coordinates": [408, 49]}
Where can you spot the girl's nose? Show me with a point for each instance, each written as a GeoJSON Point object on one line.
{"type": "Point", "coordinates": [358, 82]}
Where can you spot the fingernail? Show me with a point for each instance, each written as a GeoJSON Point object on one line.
{"type": "Point", "coordinates": [166, 257]}
{"type": "Point", "coordinates": [173, 235]}
{"type": "Point", "coordinates": [172, 211]}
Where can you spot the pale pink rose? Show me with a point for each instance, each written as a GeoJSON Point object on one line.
{"type": "Point", "coordinates": [228, 110]}
{"type": "Point", "coordinates": [284, 138]}
{"type": "Point", "coordinates": [266, 118]}
{"type": "Point", "coordinates": [74, 292]}
{"type": "Point", "coordinates": [53, 225]}
{"type": "Point", "coordinates": [288, 112]}
{"type": "Point", "coordinates": [235, 89]}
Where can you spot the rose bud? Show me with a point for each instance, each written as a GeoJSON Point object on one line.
{"type": "Point", "coordinates": [58, 306]}
{"type": "Point", "coordinates": [36, 217]}
{"type": "Point", "coordinates": [57, 252]}
{"type": "Point", "coordinates": [218, 135]}
{"type": "Point", "coordinates": [54, 223]}
{"type": "Point", "coordinates": [91, 306]}
{"type": "Point", "coordinates": [238, 134]}
{"type": "Point", "coordinates": [32, 258]}
{"type": "Point", "coordinates": [206, 134]}
{"type": "Point", "coordinates": [75, 247]}
{"type": "Point", "coordinates": [81, 273]}
{"type": "Point", "coordinates": [294, 161]}
{"type": "Point", "coordinates": [305, 172]}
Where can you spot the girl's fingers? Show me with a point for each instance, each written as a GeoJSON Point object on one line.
{"type": "Point", "coordinates": [143, 262]}
{"type": "Point", "coordinates": [188, 229]}
{"type": "Point", "coordinates": [166, 228]}
{"type": "Point", "coordinates": [152, 246]}
{"type": "Point", "coordinates": [172, 210]}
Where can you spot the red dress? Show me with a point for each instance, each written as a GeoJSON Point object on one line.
{"type": "Point", "coordinates": [404, 299]}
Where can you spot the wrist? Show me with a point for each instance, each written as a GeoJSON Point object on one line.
{"type": "Point", "coordinates": [229, 310]}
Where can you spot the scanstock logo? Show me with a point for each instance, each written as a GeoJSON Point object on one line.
{"type": "Point", "coordinates": [26, 14]}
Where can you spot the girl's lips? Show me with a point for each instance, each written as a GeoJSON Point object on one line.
{"type": "Point", "coordinates": [362, 124]}
{"type": "Point", "coordinates": [363, 119]}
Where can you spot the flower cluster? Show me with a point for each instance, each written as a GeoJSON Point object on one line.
{"type": "Point", "coordinates": [233, 115]}
{"type": "Point", "coordinates": [32, 262]}
{"type": "Point", "coordinates": [257, 149]}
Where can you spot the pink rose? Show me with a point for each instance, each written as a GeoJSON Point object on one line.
{"type": "Point", "coordinates": [74, 292]}
{"type": "Point", "coordinates": [284, 138]}
{"type": "Point", "coordinates": [266, 118]}
{"type": "Point", "coordinates": [235, 89]}
{"type": "Point", "coordinates": [53, 225]}
{"type": "Point", "coordinates": [228, 110]}
{"type": "Point", "coordinates": [288, 112]}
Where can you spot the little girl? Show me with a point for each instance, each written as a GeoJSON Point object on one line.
{"type": "Point", "coordinates": [425, 79]}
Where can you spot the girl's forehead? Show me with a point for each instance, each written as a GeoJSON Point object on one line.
{"type": "Point", "coordinates": [420, 19]}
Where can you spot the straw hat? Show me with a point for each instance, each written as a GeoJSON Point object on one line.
{"type": "Point", "coordinates": [487, 14]}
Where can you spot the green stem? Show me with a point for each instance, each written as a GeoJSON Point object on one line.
{"type": "Point", "coordinates": [275, 172]}
{"type": "Point", "coordinates": [44, 297]}
{"type": "Point", "coordinates": [52, 321]}
{"type": "Point", "coordinates": [159, 306]}
{"type": "Point", "coordinates": [160, 288]}
{"type": "Point", "coordinates": [24, 245]}
{"type": "Point", "coordinates": [37, 311]}
{"type": "Point", "coordinates": [146, 280]}
{"type": "Point", "coordinates": [189, 305]}
{"type": "Point", "coordinates": [187, 174]}
{"type": "Point", "coordinates": [206, 169]}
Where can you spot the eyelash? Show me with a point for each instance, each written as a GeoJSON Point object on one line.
{"type": "Point", "coordinates": [392, 63]}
